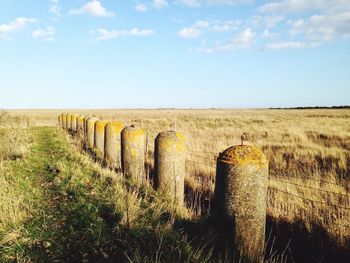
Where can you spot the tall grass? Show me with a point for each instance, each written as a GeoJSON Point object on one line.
{"type": "Point", "coordinates": [15, 204]}
{"type": "Point", "coordinates": [308, 150]}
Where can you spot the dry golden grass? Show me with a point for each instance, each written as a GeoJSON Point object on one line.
{"type": "Point", "coordinates": [308, 150]}
{"type": "Point", "coordinates": [14, 144]}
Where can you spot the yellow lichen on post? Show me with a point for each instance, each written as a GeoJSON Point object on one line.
{"type": "Point", "coordinates": [69, 122]}
{"type": "Point", "coordinates": [169, 164]}
{"type": "Point", "coordinates": [74, 118]}
{"type": "Point", "coordinates": [112, 144]}
{"type": "Point", "coordinates": [240, 199]}
{"type": "Point", "coordinates": [133, 153]}
{"type": "Point", "coordinates": [86, 127]}
{"type": "Point", "coordinates": [90, 132]}
{"type": "Point", "coordinates": [64, 121]}
{"type": "Point", "coordinates": [59, 121]}
{"type": "Point", "coordinates": [80, 125]}
{"type": "Point", "coordinates": [99, 143]}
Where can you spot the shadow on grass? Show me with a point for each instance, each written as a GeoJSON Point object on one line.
{"type": "Point", "coordinates": [303, 245]}
{"type": "Point", "coordinates": [285, 241]}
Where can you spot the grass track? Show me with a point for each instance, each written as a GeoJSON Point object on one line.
{"type": "Point", "coordinates": [80, 212]}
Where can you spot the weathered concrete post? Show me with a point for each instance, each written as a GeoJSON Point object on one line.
{"type": "Point", "coordinates": [69, 122]}
{"type": "Point", "coordinates": [59, 121]}
{"type": "Point", "coordinates": [112, 144]}
{"type": "Point", "coordinates": [100, 138]}
{"type": "Point", "coordinates": [74, 123]}
{"type": "Point", "coordinates": [133, 153]}
{"type": "Point", "coordinates": [64, 121]}
{"type": "Point", "coordinates": [85, 127]}
{"type": "Point", "coordinates": [169, 164]}
{"type": "Point", "coordinates": [240, 198]}
{"type": "Point", "coordinates": [90, 130]}
{"type": "Point", "coordinates": [80, 126]}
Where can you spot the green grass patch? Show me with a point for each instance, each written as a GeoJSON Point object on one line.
{"type": "Point", "coordinates": [76, 211]}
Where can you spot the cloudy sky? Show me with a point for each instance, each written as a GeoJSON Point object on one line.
{"type": "Point", "coordinates": [174, 53]}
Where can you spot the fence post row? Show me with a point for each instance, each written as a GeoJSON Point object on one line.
{"type": "Point", "coordinates": [241, 175]}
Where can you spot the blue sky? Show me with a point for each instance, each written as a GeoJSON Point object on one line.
{"type": "Point", "coordinates": [174, 53]}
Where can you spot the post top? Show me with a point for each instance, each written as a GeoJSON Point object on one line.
{"type": "Point", "coordinates": [173, 135]}
{"type": "Point", "coordinates": [131, 129]}
{"type": "Point", "coordinates": [102, 122]}
{"type": "Point", "coordinates": [92, 119]}
{"type": "Point", "coordinates": [242, 154]}
{"type": "Point", "coordinates": [115, 124]}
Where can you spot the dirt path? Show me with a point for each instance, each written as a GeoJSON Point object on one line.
{"type": "Point", "coordinates": [80, 212]}
{"type": "Point", "coordinates": [65, 217]}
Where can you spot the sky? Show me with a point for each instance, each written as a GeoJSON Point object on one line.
{"type": "Point", "coordinates": [174, 53]}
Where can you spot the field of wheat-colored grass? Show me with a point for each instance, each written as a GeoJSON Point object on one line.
{"type": "Point", "coordinates": [308, 152]}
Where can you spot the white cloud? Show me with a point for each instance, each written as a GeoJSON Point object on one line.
{"type": "Point", "coordinates": [322, 27]}
{"type": "Point", "coordinates": [16, 25]}
{"type": "Point", "coordinates": [291, 45]}
{"type": "Point", "coordinates": [159, 4]}
{"type": "Point", "coordinates": [93, 8]}
{"type": "Point", "coordinates": [141, 8]}
{"type": "Point", "coordinates": [330, 21]}
{"type": "Point", "coordinates": [242, 40]}
{"type": "Point", "coordinates": [225, 26]}
{"type": "Point", "coordinates": [267, 34]}
{"type": "Point", "coordinates": [54, 7]}
{"type": "Point", "coordinates": [189, 32]}
{"type": "Point", "coordinates": [105, 34]}
{"type": "Point", "coordinates": [47, 34]}
{"type": "Point", "coordinates": [285, 45]}
{"type": "Point", "coordinates": [155, 4]}
{"type": "Point", "coordinates": [199, 26]}
{"type": "Point", "coordinates": [195, 3]}
{"type": "Point", "coordinates": [195, 30]}
{"type": "Point", "coordinates": [272, 21]}
{"type": "Point", "coordinates": [191, 3]}
{"type": "Point", "coordinates": [297, 6]}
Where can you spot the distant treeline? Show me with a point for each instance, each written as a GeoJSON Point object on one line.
{"type": "Point", "coordinates": [316, 107]}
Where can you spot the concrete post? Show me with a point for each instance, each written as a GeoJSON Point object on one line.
{"type": "Point", "coordinates": [240, 198]}
{"type": "Point", "coordinates": [80, 126]}
{"type": "Point", "coordinates": [169, 165]}
{"type": "Point", "coordinates": [86, 127]}
{"type": "Point", "coordinates": [74, 123]}
{"type": "Point", "coordinates": [59, 121]}
{"type": "Point", "coordinates": [69, 122]}
{"type": "Point", "coordinates": [64, 121]}
{"type": "Point", "coordinates": [113, 145]}
{"type": "Point", "coordinates": [133, 153]}
{"type": "Point", "coordinates": [100, 138]}
{"type": "Point", "coordinates": [90, 130]}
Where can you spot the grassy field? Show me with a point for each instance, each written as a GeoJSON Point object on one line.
{"type": "Point", "coordinates": [50, 182]}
